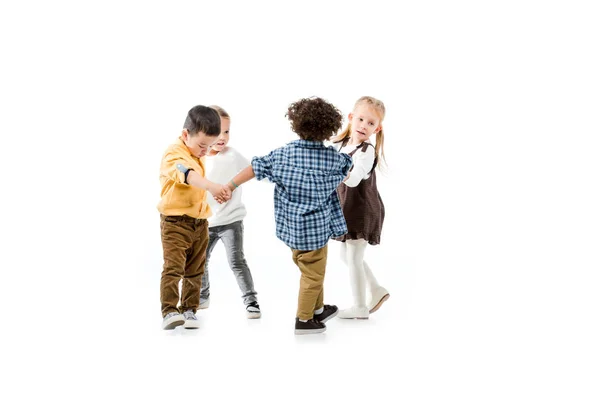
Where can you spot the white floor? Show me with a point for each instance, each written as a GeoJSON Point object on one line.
{"type": "Point", "coordinates": [454, 327]}
{"type": "Point", "coordinates": [503, 312]}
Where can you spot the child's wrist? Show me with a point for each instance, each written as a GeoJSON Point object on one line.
{"type": "Point", "coordinates": [212, 187]}
{"type": "Point", "coordinates": [232, 185]}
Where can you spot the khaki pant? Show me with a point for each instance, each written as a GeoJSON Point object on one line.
{"type": "Point", "coordinates": [184, 241]}
{"type": "Point", "coordinates": [312, 268]}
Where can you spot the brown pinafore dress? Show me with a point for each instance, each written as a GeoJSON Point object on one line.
{"type": "Point", "coordinates": [362, 205]}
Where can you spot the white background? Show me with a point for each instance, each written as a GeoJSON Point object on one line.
{"type": "Point", "coordinates": [490, 244]}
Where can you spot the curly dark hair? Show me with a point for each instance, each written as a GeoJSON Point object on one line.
{"type": "Point", "coordinates": [314, 119]}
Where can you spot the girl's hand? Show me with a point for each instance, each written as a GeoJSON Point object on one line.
{"type": "Point", "coordinates": [221, 193]}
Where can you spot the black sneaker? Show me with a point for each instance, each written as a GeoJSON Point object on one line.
{"type": "Point", "coordinates": [308, 327]}
{"type": "Point", "coordinates": [253, 310]}
{"type": "Point", "coordinates": [328, 313]}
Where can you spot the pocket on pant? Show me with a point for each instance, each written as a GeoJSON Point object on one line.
{"type": "Point", "coordinates": [173, 219]}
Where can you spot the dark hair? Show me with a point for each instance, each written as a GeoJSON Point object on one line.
{"type": "Point", "coordinates": [203, 119]}
{"type": "Point", "coordinates": [314, 119]}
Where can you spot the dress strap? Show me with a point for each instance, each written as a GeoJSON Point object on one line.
{"type": "Point", "coordinates": [364, 146]}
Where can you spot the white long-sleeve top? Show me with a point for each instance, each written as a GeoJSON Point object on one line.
{"type": "Point", "coordinates": [220, 168]}
{"type": "Point", "coordinates": [362, 163]}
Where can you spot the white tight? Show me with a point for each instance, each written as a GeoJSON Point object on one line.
{"type": "Point", "coordinates": [352, 254]}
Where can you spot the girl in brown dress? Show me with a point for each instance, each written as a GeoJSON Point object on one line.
{"type": "Point", "coordinates": [361, 203]}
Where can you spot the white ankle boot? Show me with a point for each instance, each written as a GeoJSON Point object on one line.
{"type": "Point", "coordinates": [378, 296]}
{"type": "Point", "coordinates": [354, 312]}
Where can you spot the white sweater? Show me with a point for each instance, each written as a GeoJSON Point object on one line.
{"type": "Point", "coordinates": [220, 168]}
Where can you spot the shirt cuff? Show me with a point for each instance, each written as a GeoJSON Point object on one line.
{"type": "Point", "coordinates": [258, 167]}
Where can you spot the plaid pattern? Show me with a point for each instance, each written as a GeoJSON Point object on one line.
{"type": "Point", "coordinates": [307, 208]}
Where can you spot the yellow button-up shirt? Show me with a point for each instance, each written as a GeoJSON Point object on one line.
{"type": "Point", "coordinates": [176, 197]}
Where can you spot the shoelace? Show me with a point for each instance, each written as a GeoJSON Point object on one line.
{"type": "Point", "coordinates": [189, 315]}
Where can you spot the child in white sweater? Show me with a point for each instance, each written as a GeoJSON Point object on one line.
{"type": "Point", "coordinates": [223, 163]}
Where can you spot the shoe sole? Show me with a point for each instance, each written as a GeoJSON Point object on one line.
{"type": "Point", "coordinates": [173, 325]}
{"type": "Point", "coordinates": [309, 331]}
{"type": "Point", "coordinates": [253, 315]}
{"type": "Point", "coordinates": [328, 318]}
{"type": "Point", "coordinates": [353, 317]}
{"type": "Point", "coordinates": [191, 325]}
{"type": "Point", "coordinates": [383, 299]}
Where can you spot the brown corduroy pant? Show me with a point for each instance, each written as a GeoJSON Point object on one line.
{"type": "Point", "coordinates": [312, 268]}
{"type": "Point", "coordinates": [184, 241]}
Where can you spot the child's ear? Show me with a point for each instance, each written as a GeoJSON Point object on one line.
{"type": "Point", "coordinates": [350, 117]}
{"type": "Point", "coordinates": [378, 128]}
{"type": "Point", "coordinates": [184, 134]}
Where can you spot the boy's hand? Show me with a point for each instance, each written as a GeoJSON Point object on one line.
{"type": "Point", "coordinates": [221, 193]}
{"type": "Point", "coordinates": [224, 195]}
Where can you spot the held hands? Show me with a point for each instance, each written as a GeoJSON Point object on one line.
{"type": "Point", "coordinates": [221, 193]}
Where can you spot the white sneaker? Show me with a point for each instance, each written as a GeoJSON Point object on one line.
{"type": "Point", "coordinates": [379, 296]}
{"type": "Point", "coordinates": [191, 322]}
{"type": "Point", "coordinates": [354, 313]}
{"type": "Point", "coordinates": [172, 320]}
{"type": "Point", "coordinates": [204, 304]}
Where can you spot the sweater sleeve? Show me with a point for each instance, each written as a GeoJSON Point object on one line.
{"type": "Point", "coordinates": [363, 163]}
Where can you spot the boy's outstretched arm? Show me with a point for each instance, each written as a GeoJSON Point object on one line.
{"type": "Point", "coordinates": [221, 193]}
{"type": "Point", "coordinates": [244, 176]}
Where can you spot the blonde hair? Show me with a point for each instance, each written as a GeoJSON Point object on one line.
{"type": "Point", "coordinates": [221, 111]}
{"type": "Point", "coordinates": [379, 108]}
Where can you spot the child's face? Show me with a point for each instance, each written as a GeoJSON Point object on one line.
{"type": "Point", "coordinates": [365, 122]}
{"type": "Point", "coordinates": [198, 144]}
{"type": "Point", "coordinates": [223, 137]}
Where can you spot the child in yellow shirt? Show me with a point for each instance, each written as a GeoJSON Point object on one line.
{"type": "Point", "coordinates": [183, 216]}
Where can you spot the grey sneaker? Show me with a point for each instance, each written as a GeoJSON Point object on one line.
{"type": "Point", "coordinates": [253, 310]}
{"type": "Point", "coordinates": [172, 320]}
{"type": "Point", "coordinates": [191, 322]}
{"type": "Point", "coordinates": [204, 304]}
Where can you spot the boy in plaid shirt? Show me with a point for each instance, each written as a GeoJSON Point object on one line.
{"type": "Point", "coordinates": [306, 174]}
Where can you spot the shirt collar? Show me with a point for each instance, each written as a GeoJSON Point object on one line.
{"type": "Point", "coordinates": [307, 143]}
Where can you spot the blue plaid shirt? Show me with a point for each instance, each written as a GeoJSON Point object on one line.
{"type": "Point", "coordinates": [307, 208]}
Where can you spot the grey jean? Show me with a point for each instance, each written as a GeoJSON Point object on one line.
{"type": "Point", "coordinates": [232, 236]}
